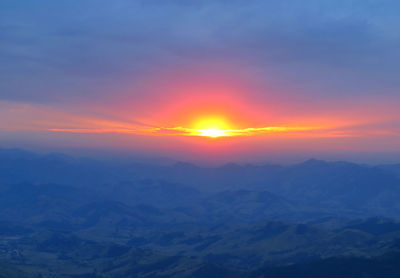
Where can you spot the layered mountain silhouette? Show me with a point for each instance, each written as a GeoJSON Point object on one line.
{"type": "Point", "coordinates": [67, 217]}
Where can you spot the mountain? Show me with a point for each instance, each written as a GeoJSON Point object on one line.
{"type": "Point", "coordinates": [383, 266]}
{"type": "Point", "coordinates": [50, 254]}
{"type": "Point", "coordinates": [64, 255]}
{"type": "Point", "coordinates": [394, 168]}
{"type": "Point", "coordinates": [67, 217]}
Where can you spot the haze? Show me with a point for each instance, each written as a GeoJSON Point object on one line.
{"type": "Point", "coordinates": [138, 77]}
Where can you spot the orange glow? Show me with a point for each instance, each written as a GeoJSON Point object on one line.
{"type": "Point", "coordinates": [211, 123]}
{"type": "Point", "coordinates": [207, 132]}
{"type": "Point", "coordinates": [252, 131]}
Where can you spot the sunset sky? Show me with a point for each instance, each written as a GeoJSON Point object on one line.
{"type": "Point", "coordinates": [221, 80]}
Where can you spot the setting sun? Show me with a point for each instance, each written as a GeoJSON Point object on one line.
{"type": "Point", "coordinates": [213, 132]}
{"type": "Point", "coordinates": [211, 127]}
{"type": "Point", "coordinates": [212, 122]}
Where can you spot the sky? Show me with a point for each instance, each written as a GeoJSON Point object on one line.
{"type": "Point", "coordinates": [267, 78]}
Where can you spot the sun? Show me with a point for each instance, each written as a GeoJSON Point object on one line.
{"type": "Point", "coordinates": [211, 132]}
{"type": "Point", "coordinates": [211, 127]}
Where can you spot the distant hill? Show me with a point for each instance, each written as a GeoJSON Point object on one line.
{"type": "Point", "coordinates": [88, 218]}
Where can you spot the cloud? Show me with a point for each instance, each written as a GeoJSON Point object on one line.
{"type": "Point", "coordinates": [65, 51]}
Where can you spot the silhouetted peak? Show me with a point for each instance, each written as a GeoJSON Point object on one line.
{"type": "Point", "coordinates": [230, 166]}
{"type": "Point", "coordinates": [314, 162]}
{"type": "Point", "coordinates": [185, 165]}
{"type": "Point", "coordinates": [15, 153]}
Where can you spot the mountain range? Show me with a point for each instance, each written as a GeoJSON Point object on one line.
{"type": "Point", "coordinates": [62, 216]}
